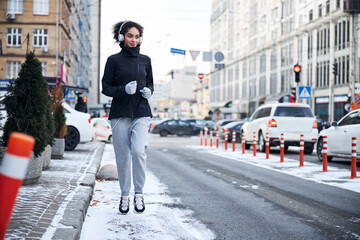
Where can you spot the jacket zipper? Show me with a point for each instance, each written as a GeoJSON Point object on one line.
{"type": "Point", "coordinates": [138, 72]}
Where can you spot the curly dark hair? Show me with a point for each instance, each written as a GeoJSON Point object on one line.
{"type": "Point", "coordinates": [125, 28]}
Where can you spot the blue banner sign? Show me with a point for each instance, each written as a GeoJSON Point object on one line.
{"type": "Point", "coordinates": [178, 51]}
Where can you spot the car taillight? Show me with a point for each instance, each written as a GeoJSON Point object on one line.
{"type": "Point", "coordinates": [272, 123]}
{"type": "Point", "coordinates": [226, 130]}
{"type": "Point", "coordinates": [315, 124]}
{"type": "Point", "coordinates": [153, 126]}
{"type": "Point", "coordinates": [89, 120]}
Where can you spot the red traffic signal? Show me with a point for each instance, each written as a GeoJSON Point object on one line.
{"type": "Point", "coordinates": [297, 68]}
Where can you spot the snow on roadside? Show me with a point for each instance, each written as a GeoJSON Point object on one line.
{"type": "Point", "coordinates": [335, 176]}
{"type": "Point", "coordinates": [162, 218]}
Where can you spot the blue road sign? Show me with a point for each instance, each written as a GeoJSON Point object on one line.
{"type": "Point", "coordinates": [219, 56]}
{"type": "Point", "coordinates": [178, 51]}
{"type": "Point", "coordinates": [304, 92]}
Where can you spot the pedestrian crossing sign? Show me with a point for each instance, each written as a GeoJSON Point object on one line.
{"type": "Point", "coordinates": [304, 92]}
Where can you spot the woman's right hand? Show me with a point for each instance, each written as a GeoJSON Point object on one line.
{"type": "Point", "coordinates": [130, 88]}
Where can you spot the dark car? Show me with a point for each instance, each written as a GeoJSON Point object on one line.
{"type": "Point", "coordinates": [199, 122]}
{"type": "Point", "coordinates": [175, 126]}
{"type": "Point", "coordinates": [229, 128]}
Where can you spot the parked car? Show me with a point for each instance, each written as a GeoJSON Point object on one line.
{"type": "Point", "coordinates": [199, 122]}
{"type": "Point", "coordinates": [229, 128]}
{"type": "Point", "coordinates": [339, 137]}
{"type": "Point", "coordinates": [292, 119]}
{"type": "Point", "coordinates": [175, 126]}
{"type": "Point", "coordinates": [79, 127]}
{"type": "Point", "coordinates": [222, 122]}
{"type": "Point", "coordinates": [102, 129]}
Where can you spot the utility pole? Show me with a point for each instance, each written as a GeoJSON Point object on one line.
{"type": "Point", "coordinates": [57, 39]}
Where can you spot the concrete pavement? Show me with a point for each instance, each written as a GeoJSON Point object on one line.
{"type": "Point", "coordinates": [55, 207]}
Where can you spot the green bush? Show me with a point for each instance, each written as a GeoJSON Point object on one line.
{"type": "Point", "coordinates": [28, 105]}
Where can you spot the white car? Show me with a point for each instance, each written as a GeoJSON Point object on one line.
{"type": "Point", "coordinates": [102, 129]}
{"type": "Point", "coordinates": [292, 119]}
{"type": "Point", "coordinates": [79, 127]}
{"type": "Point", "coordinates": [339, 137]}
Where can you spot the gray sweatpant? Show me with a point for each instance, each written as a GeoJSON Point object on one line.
{"type": "Point", "coordinates": [130, 139]}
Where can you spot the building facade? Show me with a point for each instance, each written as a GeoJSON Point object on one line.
{"type": "Point", "coordinates": [59, 33]}
{"type": "Point", "coordinates": [262, 40]}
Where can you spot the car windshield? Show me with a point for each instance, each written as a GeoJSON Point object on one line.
{"type": "Point", "coordinates": [293, 112]}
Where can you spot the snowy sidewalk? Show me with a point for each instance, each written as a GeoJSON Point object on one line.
{"type": "Point", "coordinates": [161, 219]}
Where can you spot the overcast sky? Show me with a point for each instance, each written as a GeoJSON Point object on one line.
{"type": "Point", "coordinates": [183, 24]}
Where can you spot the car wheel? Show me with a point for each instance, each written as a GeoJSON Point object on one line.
{"type": "Point", "coordinates": [163, 133]}
{"type": "Point", "coordinates": [261, 142]}
{"type": "Point", "coordinates": [110, 139]}
{"type": "Point", "coordinates": [72, 139]}
{"type": "Point", "coordinates": [319, 150]}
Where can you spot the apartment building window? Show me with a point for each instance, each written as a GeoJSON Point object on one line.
{"type": "Point", "coordinates": [244, 89]}
{"type": "Point", "coordinates": [262, 63]}
{"type": "Point", "coordinates": [320, 10]}
{"type": "Point", "coordinates": [14, 37]}
{"type": "Point", "coordinates": [41, 7]}
{"type": "Point", "coordinates": [12, 69]}
{"type": "Point", "coordinates": [262, 85]}
{"type": "Point", "coordinates": [273, 82]}
{"type": "Point", "coordinates": [310, 45]}
{"type": "Point", "coordinates": [274, 14]}
{"type": "Point", "coordinates": [15, 6]}
{"type": "Point", "coordinates": [337, 4]}
{"type": "Point", "coordinates": [327, 7]}
{"type": "Point", "coordinates": [40, 37]}
{"type": "Point", "coordinates": [310, 15]}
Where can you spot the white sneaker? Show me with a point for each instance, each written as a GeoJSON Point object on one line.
{"type": "Point", "coordinates": [139, 205]}
{"type": "Point", "coordinates": [124, 204]}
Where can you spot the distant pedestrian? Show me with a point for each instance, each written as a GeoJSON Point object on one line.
{"type": "Point", "coordinates": [128, 80]}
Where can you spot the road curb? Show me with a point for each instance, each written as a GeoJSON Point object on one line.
{"type": "Point", "coordinates": [76, 208]}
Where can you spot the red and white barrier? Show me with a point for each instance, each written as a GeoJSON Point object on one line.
{"type": "Point", "coordinates": [233, 139]}
{"type": "Point", "coordinates": [301, 150]}
{"type": "Point", "coordinates": [267, 146]}
{"type": "Point", "coordinates": [353, 158]}
{"type": "Point", "coordinates": [282, 146]}
{"type": "Point", "coordinates": [12, 172]}
{"type": "Point", "coordinates": [217, 138]}
{"type": "Point", "coordinates": [201, 137]}
{"type": "Point", "coordinates": [243, 140]}
{"type": "Point", "coordinates": [211, 137]}
{"type": "Point", "coordinates": [226, 140]}
{"type": "Point", "coordinates": [324, 151]}
{"type": "Point", "coordinates": [205, 137]}
{"type": "Point", "coordinates": [254, 144]}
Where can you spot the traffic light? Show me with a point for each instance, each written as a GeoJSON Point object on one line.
{"type": "Point", "coordinates": [297, 70]}
{"type": "Point", "coordinates": [335, 69]}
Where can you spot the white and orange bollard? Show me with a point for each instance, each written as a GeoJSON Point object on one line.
{"type": "Point", "coordinates": [205, 137]}
{"type": "Point", "coordinates": [243, 141]}
{"type": "Point", "coordinates": [233, 140]}
{"type": "Point", "coordinates": [226, 140]}
{"type": "Point", "coordinates": [282, 146]}
{"type": "Point", "coordinates": [12, 172]}
{"type": "Point", "coordinates": [217, 138]}
{"type": "Point", "coordinates": [211, 137]}
{"type": "Point", "coordinates": [301, 150]}
{"type": "Point", "coordinates": [201, 137]}
{"type": "Point", "coordinates": [324, 152]}
{"type": "Point", "coordinates": [254, 144]}
{"type": "Point", "coordinates": [353, 158]}
{"type": "Point", "coordinates": [267, 146]}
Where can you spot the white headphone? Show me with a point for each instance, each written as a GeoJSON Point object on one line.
{"type": "Point", "coordinates": [121, 36]}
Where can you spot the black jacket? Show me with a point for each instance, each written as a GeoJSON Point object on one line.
{"type": "Point", "coordinates": [120, 69]}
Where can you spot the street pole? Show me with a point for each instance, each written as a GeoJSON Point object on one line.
{"type": "Point", "coordinates": [57, 39]}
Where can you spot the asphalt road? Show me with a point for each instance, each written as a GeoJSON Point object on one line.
{"type": "Point", "coordinates": [241, 201]}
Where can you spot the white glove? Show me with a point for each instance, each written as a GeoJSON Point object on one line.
{"type": "Point", "coordinates": [146, 92]}
{"type": "Point", "coordinates": [130, 88]}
